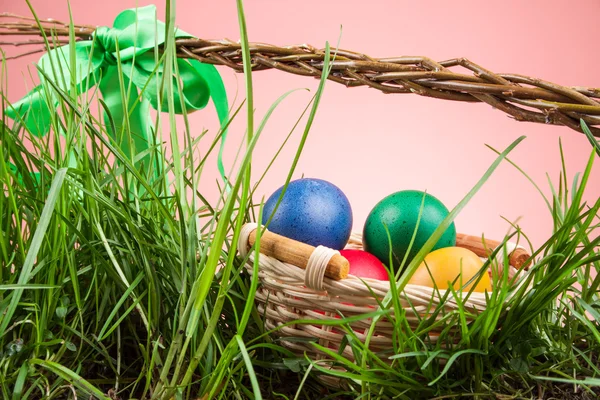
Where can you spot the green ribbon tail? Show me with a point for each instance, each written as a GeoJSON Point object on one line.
{"type": "Point", "coordinates": [33, 112]}
{"type": "Point", "coordinates": [25, 180]}
{"type": "Point", "coordinates": [132, 131]}
{"type": "Point", "coordinates": [219, 98]}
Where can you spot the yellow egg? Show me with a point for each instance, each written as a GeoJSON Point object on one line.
{"type": "Point", "coordinates": [446, 264]}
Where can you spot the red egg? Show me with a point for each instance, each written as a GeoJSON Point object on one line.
{"type": "Point", "coordinates": [362, 265]}
{"type": "Point", "coordinates": [365, 265]}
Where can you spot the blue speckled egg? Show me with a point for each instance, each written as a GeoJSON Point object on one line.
{"type": "Point", "coordinates": [312, 211]}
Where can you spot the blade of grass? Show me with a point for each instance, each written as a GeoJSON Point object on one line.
{"type": "Point", "coordinates": [35, 246]}
{"type": "Point", "coordinates": [248, 362]}
{"type": "Point", "coordinates": [70, 376]}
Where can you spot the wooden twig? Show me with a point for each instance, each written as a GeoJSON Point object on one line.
{"type": "Point", "coordinates": [297, 253]}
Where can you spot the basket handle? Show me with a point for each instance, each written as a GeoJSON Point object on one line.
{"type": "Point", "coordinates": [296, 253]}
{"type": "Point", "coordinates": [518, 256]}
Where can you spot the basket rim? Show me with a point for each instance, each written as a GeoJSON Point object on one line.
{"type": "Point", "coordinates": [277, 275]}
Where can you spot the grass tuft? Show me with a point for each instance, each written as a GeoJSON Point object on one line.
{"type": "Point", "coordinates": [124, 282]}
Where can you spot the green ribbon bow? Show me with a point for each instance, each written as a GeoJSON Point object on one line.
{"type": "Point", "coordinates": [130, 43]}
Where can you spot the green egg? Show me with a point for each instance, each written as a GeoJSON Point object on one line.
{"type": "Point", "coordinates": [399, 212]}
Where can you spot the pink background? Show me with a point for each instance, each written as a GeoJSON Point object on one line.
{"type": "Point", "coordinates": [371, 144]}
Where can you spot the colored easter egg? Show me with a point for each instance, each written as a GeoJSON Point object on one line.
{"type": "Point", "coordinates": [312, 211]}
{"type": "Point", "coordinates": [365, 265]}
{"type": "Point", "coordinates": [399, 212]}
{"type": "Point", "coordinates": [446, 264]}
{"type": "Point", "coordinates": [362, 265]}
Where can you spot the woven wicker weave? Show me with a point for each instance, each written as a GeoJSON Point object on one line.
{"type": "Point", "coordinates": [283, 297]}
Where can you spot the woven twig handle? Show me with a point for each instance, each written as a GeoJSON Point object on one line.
{"type": "Point", "coordinates": [521, 97]}
{"type": "Point", "coordinates": [299, 254]}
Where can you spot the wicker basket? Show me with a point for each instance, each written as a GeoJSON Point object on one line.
{"type": "Point", "coordinates": [288, 293]}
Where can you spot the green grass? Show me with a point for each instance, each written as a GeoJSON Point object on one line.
{"type": "Point", "coordinates": [116, 282]}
